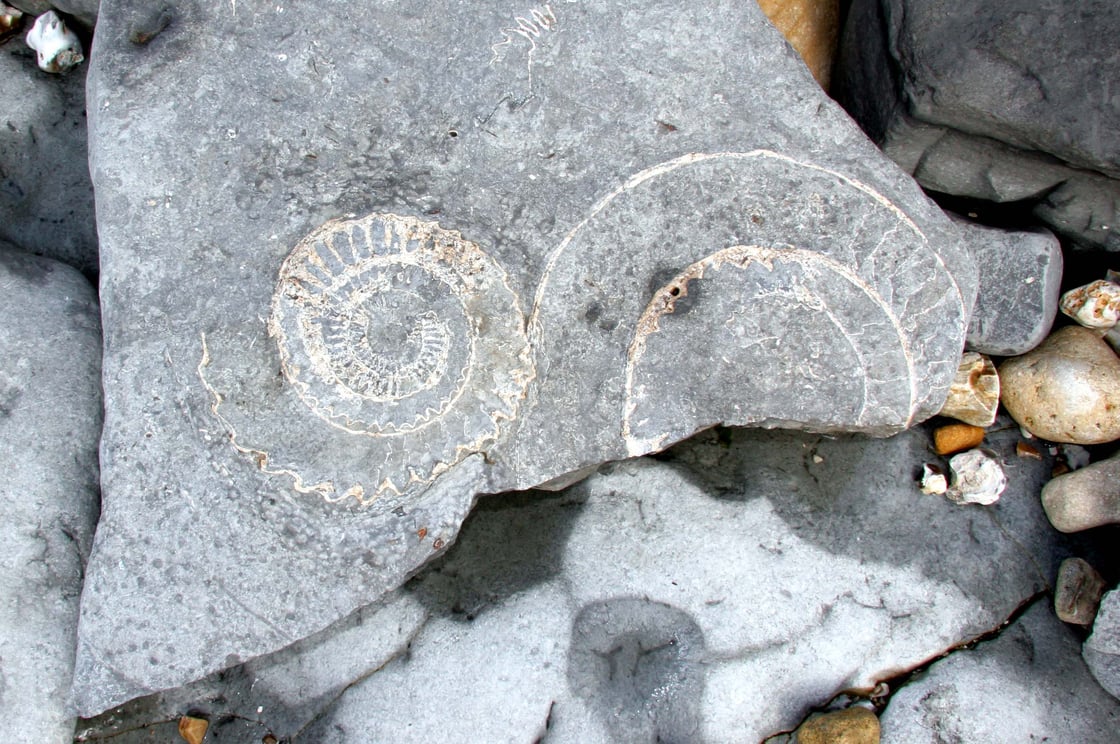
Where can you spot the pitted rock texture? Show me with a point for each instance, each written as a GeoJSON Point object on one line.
{"type": "Point", "coordinates": [999, 102]}
{"type": "Point", "coordinates": [570, 188]}
{"type": "Point", "coordinates": [46, 198]}
{"type": "Point", "coordinates": [50, 412]}
{"type": "Point", "coordinates": [1028, 684]}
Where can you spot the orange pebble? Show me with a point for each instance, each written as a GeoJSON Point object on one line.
{"type": "Point", "coordinates": [956, 438]}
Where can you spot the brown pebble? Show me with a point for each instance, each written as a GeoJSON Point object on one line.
{"type": "Point", "coordinates": [1029, 451]}
{"type": "Point", "coordinates": [192, 729]}
{"type": "Point", "coordinates": [956, 438]}
{"type": "Point", "coordinates": [849, 726]}
{"type": "Point", "coordinates": [1077, 592]}
{"type": "Point", "coordinates": [812, 28]}
{"type": "Point", "coordinates": [1065, 390]}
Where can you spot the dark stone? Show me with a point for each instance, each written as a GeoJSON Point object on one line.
{"type": "Point", "coordinates": [997, 101]}
{"type": "Point", "coordinates": [46, 198]}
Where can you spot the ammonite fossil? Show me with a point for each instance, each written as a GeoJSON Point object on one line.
{"type": "Point", "coordinates": [403, 337]}
{"type": "Point", "coordinates": [812, 300]}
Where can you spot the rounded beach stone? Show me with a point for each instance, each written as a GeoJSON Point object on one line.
{"type": "Point", "coordinates": [1085, 498]}
{"type": "Point", "coordinates": [1077, 592]}
{"type": "Point", "coordinates": [849, 726]}
{"type": "Point", "coordinates": [1066, 390]}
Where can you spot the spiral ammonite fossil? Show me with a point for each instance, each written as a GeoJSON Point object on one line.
{"type": "Point", "coordinates": [397, 333]}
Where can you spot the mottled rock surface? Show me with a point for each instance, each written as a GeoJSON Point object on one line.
{"type": "Point", "coordinates": [1026, 685]}
{"type": "Point", "coordinates": [46, 199]}
{"type": "Point", "coordinates": [995, 101]}
{"type": "Point", "coordinates": [1020, 283]}
{"type": "Point", "coordinates": [300, 411]}
{"type": "Point", "coordinates": [1102, 649]}
{"type": "Point", "coordinates": [50, 415]}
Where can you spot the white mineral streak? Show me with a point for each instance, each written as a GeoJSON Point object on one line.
{"type": "Point", "coordinates": [978, 478]}
{"type": "Point", "coordinates": [1095, 305]}
{"type": "Point", "coordinates": [57, 47]}
{"type": "Point", "coordinates": [974, 394]}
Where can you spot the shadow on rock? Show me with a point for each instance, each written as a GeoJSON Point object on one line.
{"type": "Point", "coordinates": [638, 664]}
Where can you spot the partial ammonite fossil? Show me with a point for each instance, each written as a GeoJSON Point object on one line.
{"type": "Point", "coordinates": [406, 339]}
{"type": "Point", "coordinates": [745, 288]}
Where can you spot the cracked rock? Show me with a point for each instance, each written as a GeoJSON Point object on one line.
{"type": "Point", "coordinates": [406, 288]}
{"type": "Point", "coordinates": [50, 415]}
{"type": "Point", "coordinates": [1028, 684]}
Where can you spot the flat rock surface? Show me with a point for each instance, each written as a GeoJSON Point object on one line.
{"type": "Point", "coordinates": [50, 415]}
{"type": "Point", "coordinates": [367, 263]}
{"type": "Point", "coordinates": [717, 593]}
{"type": "Point", "coordinates": [46, 198]}
{"type": "Point", "coordinates": [1029, 684]}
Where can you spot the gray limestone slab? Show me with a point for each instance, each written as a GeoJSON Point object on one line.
{"type": "Point", "coordinates": [996, 102]}
{"type": "Point", "coordinates": [50, 415]}
{"type": "Point", "coordinates": [1020, 284]}
{"type": "Point", "coordinates": [714, 596]}
{"type": "Point", "coordinates": [366, 264]}
{"type": "Point", "coordinates": [1102, 649]}
{"type": "Point", "coordinates": [715, 593]}
{"type": "Point", "coordinates": [46, 198]}
{"type": "Point", "coordinates": [1028, 684]}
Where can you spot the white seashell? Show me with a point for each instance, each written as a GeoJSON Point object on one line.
{"type": "Point", "coordinates": [974, 394]}
{"type": "Point", "coordinates": [934, 480]}
{"type": "Point", "coordinates": [1094, 305]}
{"type": "Point", "coordinates": [57, 47]}
{"type": "Point", "coordinates": [978, 478]}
